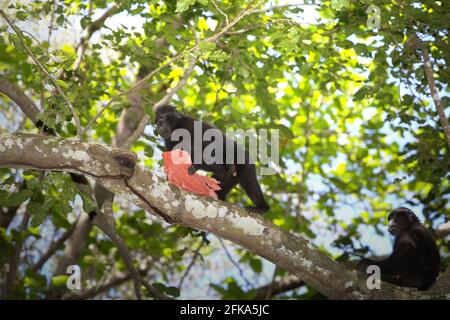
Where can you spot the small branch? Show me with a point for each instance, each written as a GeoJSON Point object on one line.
{"type": "Point", "coordinates": [432, 85]}
{"type": "Point", "coordinates": [283, 6]}
{"type": "Point", "coordinates": [91, 29]}
{"type": "Point", "coordinates": [52, 21]}
{"type": "Point", "coordinates": [45, 72]}
{"type": "Point", "coordinates": [442, 231]}
{"type": "Point", "coordinates": [53, 248]}
{"type": "Point", "coordinates": [286, 284]}
{"type": "Point", "coordinates": [13, 92]}
{"type": "Point", "coordinates": [179, 85]}
{"type": "Point", "coordinates": [75, 245]}
{"type": "Point", "coordinates": [142, 83]}
{"type": "Point", "coordinates": [238, 267]}
{"type": "Point", "coordinates": [268, 294]}
{"type": "Point", "coordinates": [93, 292]}
{"type": "Point", "coordinates": [145, 120]}
{"type": "Point", "coordinates": [191, 264]}
{"type": "Point", "coordinates": [221, 12]}
{"type": "Point", "coordinates": [15, 259]}
{"type": "Point", "coordinates": [155, 292]}
{"type": "Point", "coordinates": [102, 223]}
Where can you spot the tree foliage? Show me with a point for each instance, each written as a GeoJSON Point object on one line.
{"type": "Point", "coordinates": [360, 133]}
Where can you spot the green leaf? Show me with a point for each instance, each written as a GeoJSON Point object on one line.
{"type": "Point", "coordinates": [62, 84]}
{"type": "Point", "coordinates": [218, 55]}
{"type": "Point", "coordinates": [183, 5]}
{"type": "Point", "coordinates": [256, 265]}
{"type": "Point", "coordinates": [207, 47]}
{"type": "Point", "coordinates": [48, 203]}
{"type": "Point", "coordinates": [15, 199]}
{"type": "Point", "coordinates": [339, 4]}
{"type": "Point", "coordinates": [172, 291]}
{"type": "Point", "coordinates": [21, 15]}
{"type": "Point", "coordinates": [37, 213]}
{"type": "Point", "coordinates": [59, 281]}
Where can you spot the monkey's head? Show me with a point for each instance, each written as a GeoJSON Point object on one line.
{"type": "Point", "coordinates": [400, 220]}
{"type": "Point", "coordinates": [167, 118]}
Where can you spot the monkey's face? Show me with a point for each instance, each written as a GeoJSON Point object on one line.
{"type": "Point", "coordinates": [400, 220]}
{"type": "Point", "coordinates": [165, 124]}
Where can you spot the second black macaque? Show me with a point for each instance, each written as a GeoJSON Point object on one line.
{"type": "Point", "coordinates": [415, 259]}
{"type": "Point", "coordinates": [229, 173]}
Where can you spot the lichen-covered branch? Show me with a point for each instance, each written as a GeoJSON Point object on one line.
{"type": "Point", "coordinates": [146, 190]}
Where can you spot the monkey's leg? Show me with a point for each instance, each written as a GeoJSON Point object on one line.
{"type": "Point", "coordinates": [226, 186]}
{"type": "Point", "coordinates": [246, 175]}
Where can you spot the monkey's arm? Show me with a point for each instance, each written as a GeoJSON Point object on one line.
{"type": "Point", "coordinates": [395, 268]}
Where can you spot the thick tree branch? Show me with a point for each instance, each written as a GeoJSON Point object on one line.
{"type": "Point", "coordinates": [13, 92]}
{"type": "Point", "coordinates": [84, 226]}
{"type": "Point", "coordinates": [146, 190]}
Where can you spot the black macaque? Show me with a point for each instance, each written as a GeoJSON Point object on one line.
{"type": "Point", "coordinates": [228, 173]}
{"type": "Point", "coordinates": [415, 260]}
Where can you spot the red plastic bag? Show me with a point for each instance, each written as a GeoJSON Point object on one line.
{"type": "Point", "coordinates": [176, 164]}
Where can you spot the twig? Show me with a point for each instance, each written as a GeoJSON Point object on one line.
{"type": "Point", "coordinates": [431, 83]}
{"type": "Point", "coordinates": [101, 221]}
{"type": "Point", "coordinates": [91, 293]}
{"type": "Point", "coordinates": [179, 85]}
{"type": "Point", "coordinates": [282, 6]}
{"type": "Point", "coordinates": [138, 86]}
{"type": "Point", "coordinates": [238, 267]}
{"type": "Point", "coordinates": [141, 84]}
{"type": "Point", "coordinates": [45, 72]}
{"type": "Point", "coordinates": [92, 27]}
{"type": "Point", "coordinates": [15, 258]}
{"type": "Point", "coordinates": [271, 285]}
{"type": "Point", "coordinates": [53, 247]}
{"type": "Point", "coordinates": [191, 264]}
{"type": "Point", "coordinates": [151, 289]}
{"type": "Point", "coordinates": [285, 284]}
{"type": "Point", "coordinates": [164, 100]}
{"type": "Point", "coordinates": [52, 21]}
{"type": "Point", "coordinates": [221, 12]}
